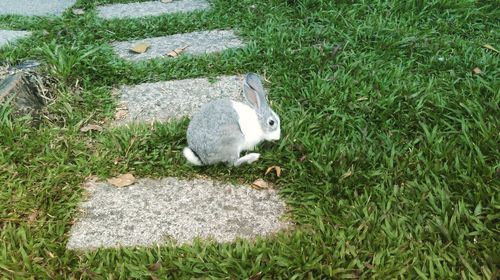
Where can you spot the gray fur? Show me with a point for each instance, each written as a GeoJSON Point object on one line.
{"type": "Point", "coordinates": [214, 133]}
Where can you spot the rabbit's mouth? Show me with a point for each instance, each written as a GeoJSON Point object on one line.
{"type": "Point", "coordinates": [274, 136]}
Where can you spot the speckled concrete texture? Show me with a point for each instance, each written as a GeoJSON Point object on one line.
{"type": "Point", "coordinates": [200, 42]}
{"type": "Point", "coordinates": [163, 101]}
{"type": "Point", "coordinates": [35, 7]}
{"type": "Point", "coordinates": [156, 211]}
{"type": "Point", "coordinates": [152, 8]}
{"type": "Point", "coordinates": [10, 36]}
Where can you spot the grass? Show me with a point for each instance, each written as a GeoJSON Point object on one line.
{"type": "Point", "coordinates": [389, 150]}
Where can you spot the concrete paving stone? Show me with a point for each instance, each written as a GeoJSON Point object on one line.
{"type": "Point", "coordinates": [35, 7]}
{"type": "Point", "coordinates": [199, 42]}
{"type": "Point", "coordinates": [154, 212]}
{"type": "Point", "coordinates": [10, 36]}
{"type": "Point", "coordinates": [163, 101]}
{"type": "Point", "coordinates": [152, 8]}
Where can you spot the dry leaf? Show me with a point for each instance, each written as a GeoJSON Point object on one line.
{"type": "Point", "coordinates": [122, 180]}
{"type": "Point", "coordinates": [277, 168]}
{"type": "Point", "coordinates": [347, 174]}
{"type": "Point", "coordinates": [78, 11]}
{"type": "Point", "coordinates": [140, 47]}
{"type": "Point", "coordinates": [256, 276]}
{"type": "Point", "coordinates": [177, 51]}
{"type": "Point", "coordinates": [121, 112]}
{"type": "Point", "coordinates": [369, 265]}
{"type": "Point", "coordinates": [91, 127]}
{"type": "Point", "coordinates": [490, 47]}
{"type": "Point", "coordinates": [32, 217]}
{"type": "Point", "coordinates": [92, 178]}
{"type": "Point", "coordinates": [154, 267]}
{"type": "Point", "coordinates": [260, 184]}
{"type": "Point", "coordinates": [476, 71]}
{"type": "Point", "coordinates": [166, 1]}
{"type": "Point", "coordinates": [362, 98]}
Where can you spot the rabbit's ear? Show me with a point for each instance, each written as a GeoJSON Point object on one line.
{"type": "Point", "coordinates": [254, 91]}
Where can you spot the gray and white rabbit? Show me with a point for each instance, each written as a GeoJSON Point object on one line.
{"type": "Point", "coordinates": [223, 128]}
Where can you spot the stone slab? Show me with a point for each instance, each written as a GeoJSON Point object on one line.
{"type": "Point", "coordinates": [154, 212]}
{"type": "Point", "coordinates": [163, 101]}
{"type": "Point", "coordinates": [10, 36]}
{"type": "Point", "coordinates": [35, 7]}
{"type": "Point", "coordinates": [152, 8]}
{"type": "Point", "coordinates": [199, 42]}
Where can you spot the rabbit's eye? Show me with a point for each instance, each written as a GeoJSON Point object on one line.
{"type": "Point", "coordinates": [271, 122]}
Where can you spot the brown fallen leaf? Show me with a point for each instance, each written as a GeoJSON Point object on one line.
{"type": "Point", "coordinates": [276, 168]}
{"type": "Point", "coordinates": [369, 265]}
{"type": "Point", "coordinates": [347, 174]}
{"type": "Point", "coordinates": [177, 51]}
{"type": "Point", "coordinates": [140, 47]}
{"type": "Point", "coordinates": [32, 217]}
{"type": "Point", "coordinates": [154, 267]}
{"type": "Point", "coordinates": [260, 184]}
{"type": "Point", "coordinates": [78, 12]}
{"type": "Point", "coordinates": [256, 276]}
{"type": "Point", "coordinates": [91, 127]}
{"type": "Point", "coordinates": [476, 71]}
{"type": "Point", "coordinates": [121, 112]}
{"type": "Point", "coordinates": [122, 180]}
{"type": "Point", "coordinates": [490, 47]}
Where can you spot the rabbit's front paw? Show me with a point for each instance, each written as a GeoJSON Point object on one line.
{"type": "Point", "coordinates": [247, 159]}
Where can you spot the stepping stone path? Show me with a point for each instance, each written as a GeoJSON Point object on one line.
{"type": "Point", "coordinates": [35, 7]}
{"type": "Point", "coordinates": [155, 211]}
{"type": "Point", "coordinates": [10, 36]}
{"type": "Point", "coordinates": [174, 99]}
{"type": "Point", "coordinates": [196, 43]}
{"type": "Point", "coordinates": [153, 8]}
{"type": "Point", "coordinates": [149, 211]}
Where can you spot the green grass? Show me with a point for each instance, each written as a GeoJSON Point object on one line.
{"type": "Point", "coordinates": [389, 150]}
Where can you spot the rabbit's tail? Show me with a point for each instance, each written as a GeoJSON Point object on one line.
{"type": "Point", "coordinates": [191, 156]}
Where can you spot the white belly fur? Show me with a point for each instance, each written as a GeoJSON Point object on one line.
{"type": "Point", "coordinates": [249, 125]}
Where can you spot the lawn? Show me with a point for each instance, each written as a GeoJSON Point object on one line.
{"type": "Point", "coordinates": [390, 141]}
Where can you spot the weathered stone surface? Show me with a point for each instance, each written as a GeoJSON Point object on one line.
{"type": "Point", "coordinates": [22, 88]}
{"type": "Point", "coordinates": [200, 42]}
{"type": "Point", "coordinates": [10, 36]}
{"type": "Point", "coordinates": [175, 99]}
{"type": "Point", "coordinates": [35, 7]}
{"type": "Point", "coordinates": [155, 211]}
{"type": "Point", "coordinates": [152, 8]}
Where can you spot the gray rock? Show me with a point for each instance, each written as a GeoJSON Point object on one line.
{"type": "Point", "coordinates": [152, 8]}
{"type": "Point", "coordinates": [200, 42]}
{"type": "Point", "coordinates": [157, 211]}
{"type": "Point", "coordinates": [23, 88]}
{"type": "Point", "coordinates": [10, 36]}
{"type": "Point", "coordinates": [35, 7]}
{"type": "Point", "coordinates": [163, 101]}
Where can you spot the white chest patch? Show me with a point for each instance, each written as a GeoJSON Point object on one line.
{"type": "Point", "coordinates": [249, 125]}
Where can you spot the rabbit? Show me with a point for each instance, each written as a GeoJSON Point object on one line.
{"type": "Point", "coordinates": [223, 128]}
